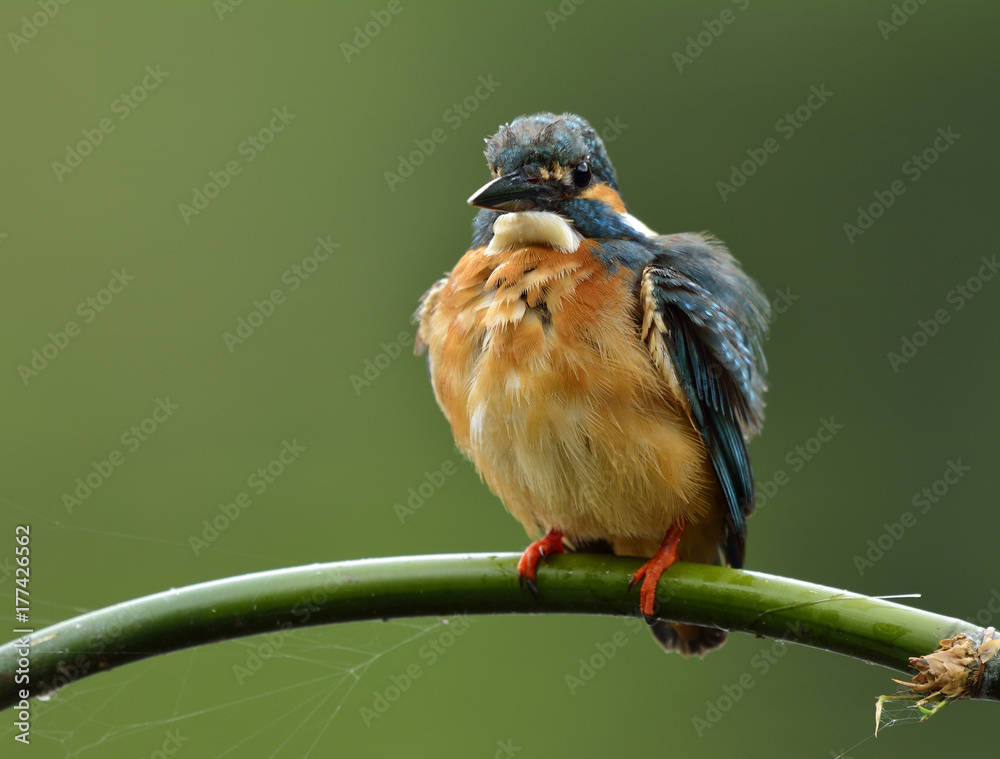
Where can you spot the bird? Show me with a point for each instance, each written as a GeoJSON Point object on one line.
{"type": "Point", "coordinates": [603, 379]}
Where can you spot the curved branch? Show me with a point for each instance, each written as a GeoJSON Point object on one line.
{"type": "Point", "coordinates": [870, 629]}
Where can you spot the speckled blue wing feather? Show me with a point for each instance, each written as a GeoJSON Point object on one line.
{"type": "Point", "coordinates": [714, 318]}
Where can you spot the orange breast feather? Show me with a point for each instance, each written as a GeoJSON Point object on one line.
{"type": "Point", "coordinates": [537, 360]}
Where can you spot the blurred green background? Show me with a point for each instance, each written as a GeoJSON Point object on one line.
{"type": "Point", "coordinates": [182, 91]}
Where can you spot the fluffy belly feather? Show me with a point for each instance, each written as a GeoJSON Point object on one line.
{"type": "Point", "coordinates": [537, 362]}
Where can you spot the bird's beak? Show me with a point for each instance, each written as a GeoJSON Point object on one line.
{"type": "Point", "coordinates": [516, 191]}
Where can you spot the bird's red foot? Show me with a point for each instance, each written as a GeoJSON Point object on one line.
{"type": "Point", "coordinates": [650, 572]}
{"type": "Point", "coordinates": [540, 549]}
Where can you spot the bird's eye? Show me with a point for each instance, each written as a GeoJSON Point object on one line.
{"type": "Point", "coordinates": [581, 175]}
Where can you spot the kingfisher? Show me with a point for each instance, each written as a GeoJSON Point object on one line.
{"type": "Point", "coordinates": [603, 379]}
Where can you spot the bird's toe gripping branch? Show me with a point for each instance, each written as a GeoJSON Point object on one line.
{"type": "Point", "coordinates": [650, 572]}
{"type": "Point", "coordinates": [540, 549]}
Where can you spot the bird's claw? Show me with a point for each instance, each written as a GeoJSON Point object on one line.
{"type": "Point", "coordinates": [636, 577]}
{"type": "Point", "coordinates": [527, 581]}
{"type": "Point", "coordinates": [650, 572]}
{"type": "Point", "coordinates": [540, 549]}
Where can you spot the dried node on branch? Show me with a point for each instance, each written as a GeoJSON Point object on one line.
{"type": "Point", "coordinates": [953, 672]}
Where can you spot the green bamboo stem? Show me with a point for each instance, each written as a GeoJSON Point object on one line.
{"type": "Point", "coordinates": [869, 629]}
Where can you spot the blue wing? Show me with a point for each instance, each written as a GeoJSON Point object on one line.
{"type": "Point", "coordinates": [711, 318]}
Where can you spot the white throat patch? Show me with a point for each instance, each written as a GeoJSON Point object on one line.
{"type": "Point", "coordinates": [637, 225]}
{"type": "Point", "coordinates": [512, 230]}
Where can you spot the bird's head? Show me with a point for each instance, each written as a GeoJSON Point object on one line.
{"type": "Point", "coordinates": [542, 161]}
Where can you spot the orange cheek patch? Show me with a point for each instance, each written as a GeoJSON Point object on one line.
{"type": "Point", "coordinates": [604, 193]}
